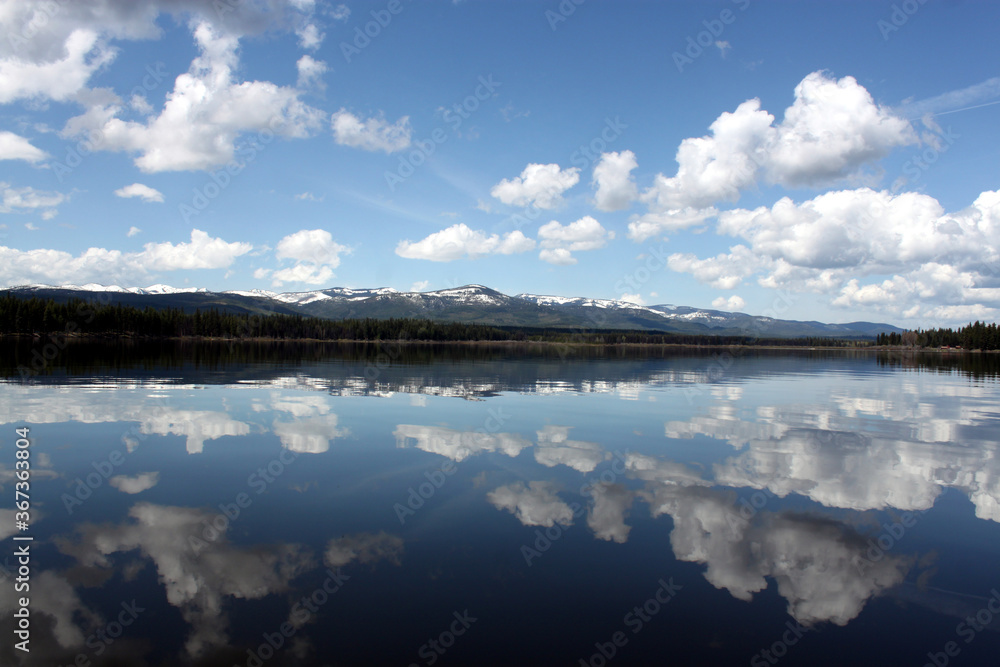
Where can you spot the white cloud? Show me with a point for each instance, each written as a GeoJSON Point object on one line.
{"type": "Point", "coordinates": [724, 271]}
{"type": "Point", "coordinates": [616, 189]}
{"type": "Point", "coordinates": [723, 46]}
{"type": "Point", "coordinates": [583, 234]}
{"type": "Point", "coordinates": [555, 448]}
{"type": "Point", "coordinates": [733, 303]}
{"type": "Point", "coordinates": [100, 265]}
{"type": "Point", "coordinates": [311, 245]}
{"type": "Point", "coordinates": [606, 517]}
{"type": "Point", "coordinates": [458, 445]}
{"type": "Point", "coordinates": [536, 505]}
{"type": "Point", "coordinates": [316, 255]}
{"type": "Point", "coordinates": [58, 76]}
{"type": "Point", "coordinates": [460, 241]}
{"type": "Point", "coordinates": [309, 435]}
{"type": "Point", "coordinates": [204, 115]}
{"type": "Point", "coordinates": [133, 484]}
{"type": "Point", "coordinates": [558, 241]}
{"type": "Point", "coordinates": [27, 199]}
{"type": "Point", "coordinates": [557, 256]}
{"type": "Point", "coordinates": [373, 134]}
{"type": "Point", "coordinates": [633, 298]}
{"type": "Point", "coordinates": [144, 192]}
{"type": "Point", "coordinates": [539, 184]}
{"type": "Point", "coordinates": [364, 548]}
{"type": "Point", "coordinates": [650, 224]}
{"type": "Point", "coordinates": [339, 13]}
{"type": "Point", "coordinates": [420, 285]}
{"type": "Point", "coordinates": [15, 147]}
{"type": "Point", "coordinates": [310, 36]}
{"type": "Point", "coordinates": [132, 231]}
{"type": "Point", "coordinates": [311, 72]}
{"type": "Point", "coordinates": [831, 243]}
{"type": "Point", "coordinates": [832, 131]}
{"type": "Point", "coordinates": [203, 252]}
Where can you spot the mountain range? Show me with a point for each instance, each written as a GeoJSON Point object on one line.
{"type": "Point", "coordinates": [470, 304]}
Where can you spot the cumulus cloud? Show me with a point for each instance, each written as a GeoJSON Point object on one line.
{"type": "Point", "coordinates": [52, 55]}
{"type": "Point", "coordinates": [832, 131]}
{"type": "Point", "coordinates": [724, 271]}
{"type": "Point", "coordinates": [830, 244]}
{"type": "Point", "coordinates": [133, 484]}
{"type": "Point", "coordinates": [58, 76]}
{"type": "Point", "coordinates": [132, 231]}
{"type": "Point", "coordinates": [197, 582]}
{"type": "Point", "coordinates": [460, 241]}
{"type": "Point", "coordinates": [555, 448]}
{"type": "Point", "coordinates": [309, 435]}
{"type": "Point", "coordinates": [100, 265]}
{"type": "Point", "coordinates": [15, 147]}
{"type": "Point", "coordinates": [311, 72]}
{"type": "Point", "coordinates": [311, 245]}
{"type": "Point", "coordinates": [310, 36]}
{"type": "Point", "coordinates": [204, 115]}
{"type": "Point", "coordinates": [539, 184]}
{"type": "Point", "coordinates": [457, 445]}
{"type": "Point", "coordinates": [534, 505]}
{"type": "Point", "coordinates": [606, 517]}
{"type": "Point", "coordinates": [316, 255]}
{"type": "Point", "coordinates": [733, 303]}
{"type": "Point", "coordinates": [558, 240]}
{"type": "Point", "coordinates": [144, 192]}
{"type": "Point", "coordinates": [616, 189]}
{"type": "Point", "coordinates": [373, 134]}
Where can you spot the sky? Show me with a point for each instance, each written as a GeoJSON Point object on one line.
{"type": "Point", "coordinates": [832, 161]}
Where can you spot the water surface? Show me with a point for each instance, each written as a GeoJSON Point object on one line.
{"type": "Point", "coordinates": [297, 505]}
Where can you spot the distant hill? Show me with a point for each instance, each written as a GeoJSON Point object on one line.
{"type": "Point", "coordinates": [470, 304]}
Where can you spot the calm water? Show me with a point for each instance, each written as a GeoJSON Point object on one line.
{"type": "Point", "coordinates": [492, 506]}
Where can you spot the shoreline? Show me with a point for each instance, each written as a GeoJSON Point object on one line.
{"type": "Point", "coordinates": [340, 341]}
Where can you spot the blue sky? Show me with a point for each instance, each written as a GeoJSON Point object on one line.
{"type": "Point", "coordinates": [829, 161]}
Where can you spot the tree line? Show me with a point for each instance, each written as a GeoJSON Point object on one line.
{"type": "Point", "coordinates": [975, 336]}
{"type": "Point", "coordinates": [35, 316]}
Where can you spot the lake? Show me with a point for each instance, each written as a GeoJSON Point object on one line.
{"type": "Point", "coordinates": [295, 504]}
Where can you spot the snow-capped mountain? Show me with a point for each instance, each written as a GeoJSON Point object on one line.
{"type": "Point", "coordinates": [468, 303]}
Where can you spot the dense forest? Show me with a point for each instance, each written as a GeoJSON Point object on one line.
{"type": "Point", "coordinates": [45, 317]}
{"type": "Point", "coordinates": [975, 336]}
